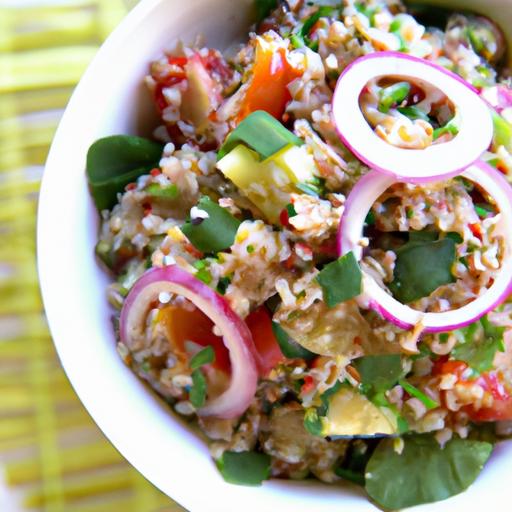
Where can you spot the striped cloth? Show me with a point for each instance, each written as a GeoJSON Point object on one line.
{"type": "Point", "coordinates": [54, 457]}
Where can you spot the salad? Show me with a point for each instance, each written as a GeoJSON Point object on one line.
{"type": "Point", "coordinates": [311, 260]}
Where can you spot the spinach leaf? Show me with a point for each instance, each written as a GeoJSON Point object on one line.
{"type": "Point", "coordinates": [204, 356]}
{"type": "Point", "coordinates": [114, 162]}
{"type": "Point", "coordinates": [262, 133]}
{"type": "Point", "coordinates": [478, 344]}
{"type": "Point", "coordinates": [244, 468]}
{"type": "Point", "coordinates": [378, 372]}
{"type": "Point", "coordinates": [215, 233]}
{"type": "Point", "coordinates": [356, 458]}
{"type": "Point", "coordinates": [197, 394]}
{"type": "Point", "coordinates": [340, 280]}
{"type": "Point", "coordinates": [421, 267]}
{"type": "Point", "coordinates": [424, 472]}
{"type": "Point", "coordinates": [289, 347]}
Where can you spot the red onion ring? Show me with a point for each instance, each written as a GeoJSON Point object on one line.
{"type": "Point", "coordinates": [411, 165]}
{"type": "Point", "coordinates": [237, 337]}
{"type": "Point", "coordinates": [366, 192]}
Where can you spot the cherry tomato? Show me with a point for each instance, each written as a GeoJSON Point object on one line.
{"type": "Point", "coordinates": [268, 87]}
{"type": "Point", "coordinates": [184, 325]}
{"type": "Point", "coordinates": [260, 325]}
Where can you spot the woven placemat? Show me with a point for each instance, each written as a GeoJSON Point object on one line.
{"type": "Point", "coordinates": [53, 456]}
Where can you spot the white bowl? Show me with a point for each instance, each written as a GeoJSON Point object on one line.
{"type": "Point", "coordinates": [111, 99]}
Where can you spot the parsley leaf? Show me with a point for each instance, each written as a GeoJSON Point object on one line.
{"type": "Point", "coordinates": [478, 344]}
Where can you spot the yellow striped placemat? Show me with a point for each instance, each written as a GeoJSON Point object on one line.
{"type": "Point", "coordinates": [53, 457]}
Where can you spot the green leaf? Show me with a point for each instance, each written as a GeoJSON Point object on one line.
{"type": "Point", "coordinates": [379, 372]}
{"type": "Point", "coordinates": [308, 24]}
{"type": "Point", "coordinates": [313, 423]}
{"type": "Point", "coordinates": [264, 8]}
{"type": "Point", "coordinates": [262, 133]}
{"type": "Point", "coordinates": [114, 162]}
{"type": "Point", "coordinates": [502, 132]}
{"type": "Point", "coordinates": [289, 347]}
{"type": "Point", "coordinates": [421, 267]}
{"type": "Point", "coordinates": [478, 344]}
{"type": "Point", "coordinates": [167, 192]}
{"type": "Point", "coordinates": [355, 461]}
{"type": "Point", "coordinates": [393, 95]}
{"type": "Point", "coordinates": [197, 394]}
{"type": "Point", "coordinates": [424, 472]}
{"type": "Point", "coordinates": [244, 468]}
{"type": "Point", "coordinates": [215, 233]}
{"type": "Point", "coordinates": [416, 393]}
{"type": "Point", "coordinates": [449, 127]}
{"type": "Point", "coordinates": [413, 113]}
{"type": "Point", "coordinates": [204, 356]}
{"type": "Point", "coordinates": [340, 280]}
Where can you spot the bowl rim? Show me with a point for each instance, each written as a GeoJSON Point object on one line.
{"type": "Point", "coordinates": [298, 496]}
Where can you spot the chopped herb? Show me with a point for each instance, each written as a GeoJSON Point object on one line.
{"type": "Point", "coordinates": [370, 218]}
{"type": "Point", "coordinates": [313, 423]}
{"type": "Point", "coordinates": [314, 187]}
{"type": "Point", "coordinates": [393, 95]}
{"type": "Point", "coordinates": [223, 284]}
{"type": "Point", "coordinates": [340, 280]}
{"type": "Point", "coordinates": [204, 275]}
{"type": "Point", "coordinates": [478, 344]}
{"type": "Point", "coordinates": [250, 249]}
{"type": "Point", "coordinates": [197, 393]}
{"type": "Point", "coordinates": [449, 127]}
{"type": "Point", "coordinates": [167, 192]}
{"type": "Point", "coordinates": [409, 213]}
{"type": "Point", "coordinates": [215, 233]}
{"type": "Point", "coordinates": [289, 347]}
{"type": "Point", "coordinates": [290, 209]}
{"type": "Point", "coordinates": [483, 210]}
{"type": "Point", "coordinates": [114, 162]}
{"type": "Point", "coordinates": [262, 133]}
{"type": "Point", "coordinates": [244, 468]}
{"type": "Point", "coordinates": [378, 372]}
{"type": "Point", "coordinates": [424, 472]}
{"type": "Point", "coordinates": [413, 113]}
{"type": "Point", "coordinates": [416, 393]}
{"type": "Point", "coordinates": [300, 36]}
{"type": "Point", "coordinates": [421, 267]}
{"type": "Point", "coordinates": [204, 356]}
{"type": "Point", "coordinates": [502, 132]}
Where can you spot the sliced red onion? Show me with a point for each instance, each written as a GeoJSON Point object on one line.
{"type": "Point", "coordinates": [359, 202]}
{"type": "Point", "coordinates": [237, 337]}
{"type": "Point", "coordinates": [499, 97]}
{"type": "Point", "coordinates": [411, 165]}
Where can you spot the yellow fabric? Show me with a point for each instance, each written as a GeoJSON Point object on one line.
{"type": "Point", "coordinates": [54, 457]}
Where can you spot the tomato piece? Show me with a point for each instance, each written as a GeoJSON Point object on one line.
{"type": "Point", "coordinates": [491, 382]}
{"type": "Point", "coordinates": [268, 86]}
{"type": "Point", "coordinates": [502, 404]}
{"type": "Point", "coordinates": [260, 325]}
{"type": "Point", "coordinates": [184, 325]}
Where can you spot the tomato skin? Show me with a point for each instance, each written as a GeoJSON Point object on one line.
{"type": "Point", "coordinates": [491, 383]}
{"type": "Point", "coordinates": [184, 325]}
{"type": "Point", "coordinates": [260, 325]}
{"type": "Point", "coordinates": [268, 86]}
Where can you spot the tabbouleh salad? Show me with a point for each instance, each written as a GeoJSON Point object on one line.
{"type": "Point", "coordinates": [237, 297]}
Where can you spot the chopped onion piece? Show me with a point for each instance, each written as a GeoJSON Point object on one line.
{"type": "Point", "coordinates": [367, 191]}
{"type": "Point", "coordinates": [175, 281]}
{"type": "Point", "coordinates": [411, 165]}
